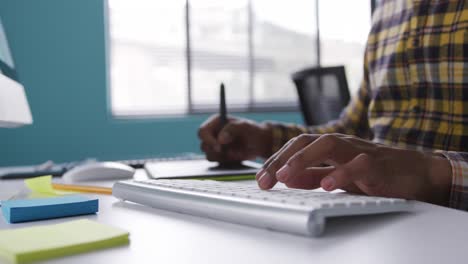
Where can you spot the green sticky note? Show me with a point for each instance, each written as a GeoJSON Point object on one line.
{"type": "Point", "coordinates": [25, 245]}
{"type": "Point", "coordinates": [42, 187]}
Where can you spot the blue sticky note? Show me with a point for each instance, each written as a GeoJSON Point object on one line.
{"type": "Point", "coordinates": [16, 211]}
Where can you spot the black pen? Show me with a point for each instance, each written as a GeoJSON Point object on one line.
{"type": "Point", "coordinates": [222, 107]}
{"type": "Point", "coordinates": [222, 116]}
{"type": "Point", "coordinates": [223, 120]}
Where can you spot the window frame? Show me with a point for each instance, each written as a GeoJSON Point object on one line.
{"type": "Point", "coordinates": [251, 106]}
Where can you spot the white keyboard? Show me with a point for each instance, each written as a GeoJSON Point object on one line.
{"type": "Point", "coordinates": [295, 211]}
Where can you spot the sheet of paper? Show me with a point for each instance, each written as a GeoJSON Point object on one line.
{"type": "Point", "coordinates": [38, 187]}
{"type": "Point", "coordinates": [42, 187]}
{"type": "Point", "coordinates": [44, 242]}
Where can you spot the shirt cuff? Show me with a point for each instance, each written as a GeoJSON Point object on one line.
{"type": "Point", "coordinates": [459, 189]}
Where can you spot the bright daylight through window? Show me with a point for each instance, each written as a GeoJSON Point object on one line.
{"type": "Point", "coordinates": [167, 57]}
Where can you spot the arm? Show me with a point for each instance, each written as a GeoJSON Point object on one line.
{"type": "Point", "coordinates": [361, 166]}
{"type": "Point", "coordinates": [352, 121]}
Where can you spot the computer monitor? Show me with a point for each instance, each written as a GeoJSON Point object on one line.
{"type": "Point", "coordinates": [14, 108]}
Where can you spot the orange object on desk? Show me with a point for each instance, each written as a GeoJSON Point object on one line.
{"type": "Point", "coordinates": [82, 188]}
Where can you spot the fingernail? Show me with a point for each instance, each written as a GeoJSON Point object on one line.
{"type": "Point", "coordinates": [264, 180]}
{"type": "Point", "coordinates": [224, 137]}
{"type": "Point", "coordinates": [328, 183]}
{"type": "Point", "coordinates": [283, 174]}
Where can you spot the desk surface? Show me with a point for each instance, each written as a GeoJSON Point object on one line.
{"type": "Point", "coordinates": [430, 234]}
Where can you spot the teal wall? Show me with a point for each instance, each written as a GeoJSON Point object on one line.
{"type": "Point", "coordinates": [59, 50]}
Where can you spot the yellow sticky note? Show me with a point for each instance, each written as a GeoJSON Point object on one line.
{"type": "Point", "coordinates": [24, 245]}
{"type": "Point", "coordinates": [42, 187]}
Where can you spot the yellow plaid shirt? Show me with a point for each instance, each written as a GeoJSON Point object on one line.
{"type": "Point", "coordinates": [414, 92]}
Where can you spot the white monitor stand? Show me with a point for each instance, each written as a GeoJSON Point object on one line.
{"type": "Point", "coordinates": [14, 108]}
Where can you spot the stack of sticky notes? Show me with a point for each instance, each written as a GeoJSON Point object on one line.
{"type": "Point", "coordinates": [36, 243]}
{"type": "Point", "coordinates": [16, 211]}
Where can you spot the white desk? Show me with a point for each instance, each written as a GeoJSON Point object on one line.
{"type": "Point", "coordinates": [431, 234]}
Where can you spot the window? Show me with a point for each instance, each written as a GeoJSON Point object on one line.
{"type": "Point", "coordinates": [148, 71]}
{"type": "Point", "coordinates": [169, 57]}
{"type": "Point", "coordinates": [343, 35]}
{"type": "Point", "coordinates": [219, 40]}
{"type": "Point", "coordinates": [284, 42]}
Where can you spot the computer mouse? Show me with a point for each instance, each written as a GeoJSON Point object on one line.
{"type": "Point", "coordinates": [98, 171]}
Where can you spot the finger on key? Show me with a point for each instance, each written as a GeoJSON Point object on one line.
{"type": "Point", "coordinates": [283, 156]}
{"type": "Point", "coordinates": [271, 158]}
{"type": "Point", "coordinates": [321, 150]}
{"type": "Point", "coordinates": [310, 178]}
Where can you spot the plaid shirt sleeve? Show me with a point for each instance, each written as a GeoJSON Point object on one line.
{"type": "Point", "coordinates": [415, 89]}
{"type": "Point", "coordinates": [352, 121]}
{"type": "Point", "coordinates": [459, 189]}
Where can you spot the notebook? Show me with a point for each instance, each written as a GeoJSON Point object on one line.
{"type": "Point", "coordinates": [25, 245]}
{"type": "Point", "coordinates": [16, 211]}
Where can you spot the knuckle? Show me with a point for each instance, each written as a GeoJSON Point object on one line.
{"type": "Point", "coordinates": [299, 158]}
{"type": "Point", "coordinates": [267, 162]}
{"type": "Point", "coordinates": [303, 138]}
{"type": "Point", "coordinates": [275, 164]}
{"type": "Point", "coordinates": [240, 123]}
{"type": "Point", "coordinates": [351, 138]}
{"type": "Point", "coordinates": [243, 126]}
{"type": "Point", "coordinates": [270, 160]}
{"type": "Point", "coordinates": [365, 159]}
{"type": "Point", "coordinates": [231, 127]}
{"type": "Point", "coordinates": [379, 150]}
{"type": "Point", "coordinates": [237, 128]}
{"type": "Point", "coordinates": [339, 135]}
{"type": "Point", "coordinates": [290, 142]}
{"type": "Point", "coordinates": [329, 139]}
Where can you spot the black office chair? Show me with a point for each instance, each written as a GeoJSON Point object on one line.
{"type": "Point", "coordinates": [323, 93]}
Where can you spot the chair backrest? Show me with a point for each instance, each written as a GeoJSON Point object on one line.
{"type": "Point", "coordinates": [323, 93]}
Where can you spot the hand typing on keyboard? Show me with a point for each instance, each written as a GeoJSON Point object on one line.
{"type": "Point", "coordinates": [358, 166]}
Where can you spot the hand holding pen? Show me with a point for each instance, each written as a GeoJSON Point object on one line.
{"type": "Point", "coordinates": [229, 139]}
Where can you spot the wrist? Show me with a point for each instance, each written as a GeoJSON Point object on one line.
{"type": "Point", "coordinates": [440, 178]}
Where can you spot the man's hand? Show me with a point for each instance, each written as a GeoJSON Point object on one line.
{"type": "Point", "coordinates": [358, 166]}
{"type": "Point", "coordinates": [242, 139]}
